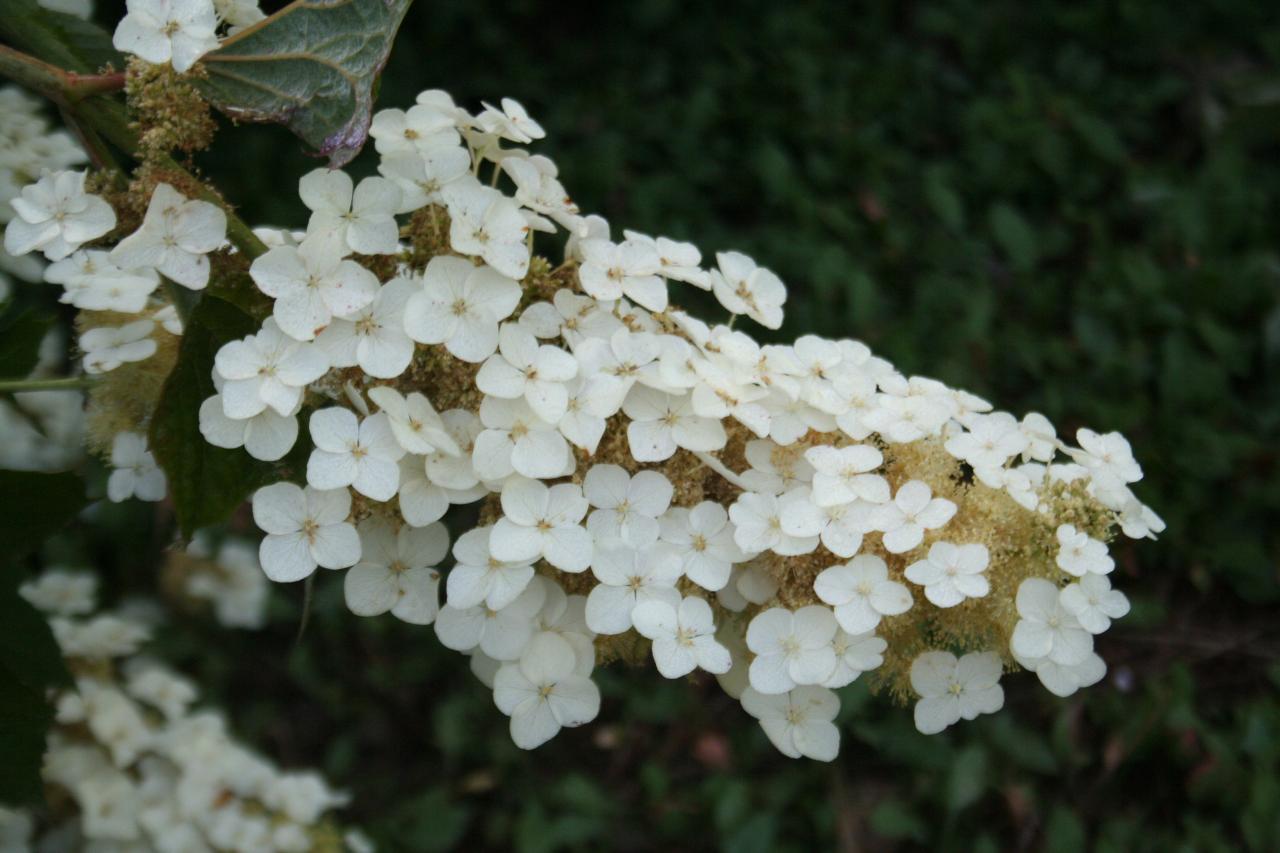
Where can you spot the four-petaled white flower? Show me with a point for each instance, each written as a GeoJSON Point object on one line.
{"type": "Point", "coordinates": [484, 222]}
{"type": "Point", "coordinates": [951, 573]}
{"type": "Point", "coordinates": [840, 475]}
{"type": "Point", "coordinates": [516, 439]}
{"type": "Point", "coordinates": [629, 578]}
{"type": "Point", "coordinates": [524, 368]}
{"type": "Point", "coordinates": [861, 593]}
{"type": "Point", "coordinates": [107, 347]}
{"type": "Point", "coordinates": [1048, 629]}
{"type": "Point", "coordinates": [683, 636]}
{"type": "Point", "coordinates": [267, 369]}
{"type": "Point", "coordinates": [757, 527]}
{"type": "Point", "coordinates": [989, 442]}
{"type": "Point", "coordinates": [135, 473]}
{"type": "Point", "coordinates": [305, 528]}
{"type": "Point", "coordinates": [511, 122]}
{"type": "Point", "coordinates": [703, 537]}
{"type": "Point", "coordinates": [360, 217]}
{"type": "Point", "coordinates": [460, 306]}
{"type": "Point", "coordinates": [542, 692]}
{"type": "Point", "coordinates": [912, 511]}
{"type": "Point", "coordinates": [267, 435]}
{"type": "Point", "coordinates": [56, 216]}
{"type": "Point", "coordinates": [349, 452]}
{"type": "Point", "coordinates": [1094, 603]}
{"type": "Point", "coordinates": [373, 337]}
{"type": "Point", "coordinates": [414, 422]}
{"type": "Point", "coordinates": [611, 271]}
{"type": "Point", "coordinates": [480, 578]}
{"type": "Point", "coordinates": [397, 572]}
{"type": "Point", "coordinates": [501, 634]}
{"type": "Point", "coordinates": [627, 507]}
{"type": "Point", "coordinates": [1080, 554]}
{"type": "Point", "coordinates": [744, 288]}
{"type": "Point", "coordinates": [94, 282]}
{"type": "Point", "coordinates": [312, 283]}
{"type": "Point", "coordinates": [178, 32]}
{"type": "Point", "coordinates": [662, 423]}
{"type": "Point", "coordinates": [791, 647]}
{"type": "Point", "coordinates": [799, 721]}
{"type": "Point", "coordinates": [175, 238]}
{"type": "Point", "coordinates": [855, 654]}
{"type": "Point", "coordinates": [953, 689]}
{"type": "Point", "coordinates": [542, 523]}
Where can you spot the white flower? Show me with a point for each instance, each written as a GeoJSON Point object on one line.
{"type": "Point", "coordinates": [628, 578]}
{"type": "Point", "coordinates": [840, 474]}
{"type": "Point", "coordinates": [683, 636]}
{"type": "Point", "coordinates": [990, 442]}
{"type": "Point", "coordinates": [861, 593]}
{"type": "Point", "coordinates": [94, 282]}
{"type": "Point", "coordinates": [175, 238]}
{"type": "Point", "coordinates": [572, 316]}
{"type": "Point", "coordinates": [501, 634]}
{"type": "Point", "coordinates": [855, 654]}
{"type": "Point", "coordinates": [516, 439]}
{"type": "Point", "coordinates": [1047, 628]}
{"type": "Point", "coordinates": [539, 189]}
{"type": "Point", "coordinates": [349, 452]}
{"type": "Point", "coordinates": [174, 31]}
{"type": "Point", "coordinates": [661, 423]}
{"type": "Point", "coordinates": [511, 122]}
{"type": "Point", "coordinates": [677, 261]}
{"type": "Point", "coordinates": [421, 501]}
{"type": "Point", "coordinates": [422, 174]}
{"type": "Point", "coordinates": [414, 421]}
{"type": "Point", "coordinates": [419, 128]}
{"type": "Point", "coordinates": [107, 347]}
{"type": "Point", "coordinates": [952, 689]}
{"type": "Point", "coordinates": [611, 271]}
{"type": "Point", "coordinates": [373, 336]}
{"type": "Point", "coordinates": [360, 217]}
{"type": "Point", "coordinates": [238, 13]}
{"type": "Point", "coordinates": [455, 472]}
{"type": "Point", "coordinates": [542, 694]}
{"type": "Point", "coordinates": [627, 507]}
{"type": "Point", "coordinates": [951, 573]}
{"type": "Point", "coordinates": [757, 521]}
{"type": "Point", "coordinates": [62, 592]}
{"type": "Point", "coordinates": [460, 306]}
{"type": "Point", "coordinates": [397, 572]}
{"type": "Point", "coordinates": [1094, 603]}
{"type": "Point", "coordinates": [56, 216]}
{"type": "Point", "coordinates": [744, 288]}
{"type": "Point", "coordinates": [267, 369]}
{"type": "Point", "coordinates": [583, 422]}
{"type": "Point", "coordinates": [136, 473]}
{"type": "Point", "coordinates": [1080, 554]}
{"type": "Point", "coordinates": [524, 368]}
{"type": "Point", "coordinates": [480, 578]}
{"type": "Point", "coordinates": [614, 364]}
{"type": "Point", "coordinates": [912, 511]}
{"type": "Point", "coordinates": [1065, 679]}
{"type": "Point", "coordinates": [798, 722]}
{"type": "Point", "coordinates": [840, 527]}
{"type": "Point", "coordinates": [1042, 438]}
{"type": "Point", "coordinates": [791, 648]}
{"type": "Point", "coordinates": [312, 284]}
{"type": "Point", "coordinates": [485, 223]}
{"type": "Point", "coordinates": [1108, 456]}
{"type": "Point", "coordinates": [267, 435]}
{"type": "Point", "coordinates": [703, 537]}
{"type": "Point", "coordinates": [542, 523]}
{"type": "Point", "coordinates": [305, 528]}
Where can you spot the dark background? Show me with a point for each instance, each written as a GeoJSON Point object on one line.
{"type": "Point", "coordinates": [1065, 207]}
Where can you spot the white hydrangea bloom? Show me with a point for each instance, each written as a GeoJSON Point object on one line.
{"type": "Point", "coordinates": [683, 636]}
{"type": "Point", "coordinates": [305, 528]}
{"type": "Point", "coordinates": [627, 579]}
{"type": "Point", "coordinates": [175, 238]}
{"type": "Point", "coordinates": [267, 435]}
{"type": "Point", "coordinates": [94, 282]}
{"type": "Point", "coordinates": [486, 223]}
{"type": "Point", "coordinates": [516, 440]}
{"type": "Point", "coordinates": [744, 288]}
{"type": "Point", "coordinates": [414, 422]}
{"type": "Point", "coordinates": [627, 507]}
{"type": "Point", "coordinates": [373, 337]}
{"type": "Point", "coordinates": [355, 453]}
{"type": "Point", "coordinates": [56, 216]}
{"type": "Point", "coordinates": [542, 694]}
{"type": "Point", "coordinates": [855, 654]}
{"type": "Point", "coordinates": [362, 217]}
{"type": "Point", "coordinates": [178, 32]}
{"type": "Point", "coordinates": [501, 634]}
{"type": "Point", "coordinates": [1094, 603]}
{"type": "Point", "coordinates": [397, 572]}
{"type": "Point", "coordinates": [268, 369]}
{"type": "Point", "coordinates": [861, 593]}
{"type": "Point", "coordinates": [460, 306]}
{"type": "Point", "coordinates": [135, 472]}
{"type": "Point", "coordinates": [312, 283]}
{"type": "Point", "coordinates": [107, 347]}
{"type": "Point", "coordinates": [542, 523]}
{"type": "Point", "coordinates": [951, 690]}
{"type": "Point", "coordinates": [791, 648]}
{"type": "Point", "coordinates": [1080, 554]}
{"type": "Point", "coordinates": [480, 578]}
{"type": "Point", "coordinates": [951, 573]}
{"type": "Point", "coordinates": [1048, 629]}
{"type": "Point", "coordinates": [912, 511]}
{"type": "Point", "coordinates": [799, 721]}
{"type": "Point", "coordinates": [524, 368]}
{"type": "Point", "coordinates": [703, 536]}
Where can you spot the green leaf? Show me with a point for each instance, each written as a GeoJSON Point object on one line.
{"type": "Point", "coordinates": [207, 482]}
{"type": "Point", "coordinates": [30, 663]}
{"type": "Point", "coordinates": [943, 199]}
{"type": "Point", "coordinates": [58, 38]}
{"type": "Point", "coordinates": [311, 66]}
{"type": "Point", "coordinates": [47, 502]}
{"type": "Point", "coordinates": [967, 779]}
{"type": "Point", "coordinates": [1014, 236]}
{"type": "Point", "coordinates": [20, 336]}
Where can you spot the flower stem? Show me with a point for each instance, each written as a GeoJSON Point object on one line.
{"type": "Point", "coordinates": [66, 383]}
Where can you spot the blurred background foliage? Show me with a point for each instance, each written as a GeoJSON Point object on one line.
{"type": "Point", "coordinates": [1065, 207]}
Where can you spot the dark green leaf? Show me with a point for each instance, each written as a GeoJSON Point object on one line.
{"type": "Point", "coordinates": [40, 505]}
{"type": "Point", "coordinates": [207, 482]}
{"type": "Point", "coordinates": [20, 336]}
{"type": "Point", "coordinates": [966, 779]}
{"type": "Point", "coordinates": [312, 67]}
{"type": "Point", "coordinates": [58, 38]}
{"type": "Point", "coordinates": [1014, 236]}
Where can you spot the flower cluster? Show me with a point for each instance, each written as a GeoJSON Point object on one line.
{"type": "Point", "coordinates": [624, 479]}
{"type": "Point", "coordinates": [137, 767]}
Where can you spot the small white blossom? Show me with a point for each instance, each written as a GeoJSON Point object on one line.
{"type": "Point", "coordinates": [744, 288]}
{"type": "Point", "coordinates": [628, 578]}
{"type": "Point", "coordinates": [94, 282]}
{"type": "Point", "coordinates": [611, 271]}
{"type": "Point", "coordinates": [757, 521]}
{"type": "Point", "coordinates": [361, 217]}
{"type": "Point", "coordinates": [56, 216]}
{"type": "Point", "coordinates": [175, 238]}
{"type": "Point", "coordinates": [107, 347]}
{"type": "Point", "coordinates": [542, 694]}
{"type": "Point", "coordinates": [524, 368]}
{"type": "Point", "coordinates": [178, 32]}
{"type": "Point", "coordinates": [517, 440]}
{"type": "Point", "coordinates": [703, 536]}
{"type": "Point", "coordinates": [855, 654]}
{"type": "Point", "coordinates": [912, 511]}
{"type": "Point", "coordinates": [662, 423]}
{"type": "Point", "coordinates": [511, 122]}
{"type": "Point", "coordinates": [397, 572]}
{"type": "Point", "coordinates": [480, 578]}
{"type": "Point", "coordinates": [951, 573]}
{"type": "Point", "coordinates": [542, 523]}
{"type": "Point", "coordinates": [312, 283]}
{"type": "Point", "coordinates": [953, 689]}
{"type": "Point", "coordinates": [1048, 629]}
{"type": "Point", "coordinates": [627, 507]}
{"type": "Point", "coordinates": [1080, 554]}
{"type": "Point", "coordinates": [485, 223]}
{"type": "Point", "coordinates": [305, 528]}
{"type": "Point", "coordinates": [501, 634]}
{"type": "Point", "coordinates": [350, 452]}
{"type": "Point", "coordinates": [135, 471]}
{"type": "Point", "coordinates": [267, 435]}
{"type": "Point", "coordinates": [791, 647]}
{"type": "Point", "coordinates": [373, 337]}
{"type": "Point", "coordinates": [683, 637]}
{"type": "Point", "coordinates": [267, 369]}
{"type": "Point", "coordinates": [1094, 603]}
{"type": "Point", "coordinates": [799, 721]}
{"type": "Point", "coordinates": [460, 306]}
{"type": "Point", "coordinates": [861, 593]}
{"type": "Point", "coordinates": [840, 475]}
{"type": "Point", "coordinates": [989, 442]}
{"type": "Point", "coordinates": [414, 422]}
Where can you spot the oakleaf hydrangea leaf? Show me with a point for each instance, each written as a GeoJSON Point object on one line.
{"type": "Point", "coordinates": [312, 66]}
